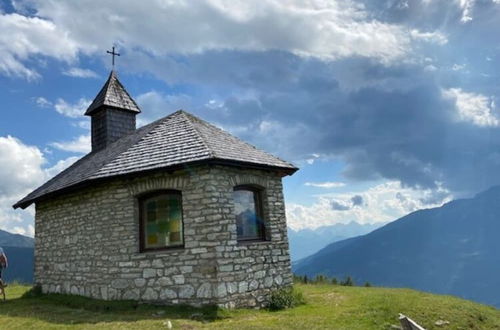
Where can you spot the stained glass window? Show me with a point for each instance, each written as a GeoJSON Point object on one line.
{"type": "Point", "coordinates": [248, 212]}
{"type": "Point", "coordinates": [161, 220]}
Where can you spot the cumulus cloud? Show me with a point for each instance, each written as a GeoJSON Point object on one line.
{"type": "Point", "coordinates": [42, 102]}
{"type": "Point", "coordinates": [326, 185]}
{"type": "Point", "coordinates": [81, 144]}
{"type": "Point", "coordinates": [432, 37]}
{"type": "Point", "coordinates": [75, 110]}
{"type": "Point", "coordinates": [23, 37]}
{"type": "Point", "coordinates": [379, 203]}
{"type": "Point", "coordinates": [20, 164]}
{"type": "Point", "coordinates": [466, 6]}
{"type": "Point", "coordinates": [326, 30]}
{"type": "Point", "coordinates": [26, 231]}
{"type": "Point", "coordinates": [472, 107]}
{"type": "Point", "coordinates": [83, 124]}
{"type": "Point", "coordinates": [80, 73]}
{"type": "Point", "coordinates": [23, 169]}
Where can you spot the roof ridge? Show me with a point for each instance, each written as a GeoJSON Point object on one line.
{"type": "Point", "coordinates": [189, 116]}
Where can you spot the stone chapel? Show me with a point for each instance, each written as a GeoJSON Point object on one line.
{"type": "Point", "coordinates": [175, 212]}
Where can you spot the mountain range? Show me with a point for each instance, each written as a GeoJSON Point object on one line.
{"type": "Point", "coordinates": [306, 242]}
{"type": "Point", "coordinates": [19, 251]}
{"type": "Point", "coordinates": [452, 249]}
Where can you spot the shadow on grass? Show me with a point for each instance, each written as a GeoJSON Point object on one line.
{"type": "Point", "coordinates": [69, 309]}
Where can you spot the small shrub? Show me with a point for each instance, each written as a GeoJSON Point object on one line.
{"type": "Point", "coordinates": [286, 298]}
{"type": "Point", "coordinates": [334, 281]}
{"type": "Point", "coordinates": [348, 282]}
{"type": "Point", "coordinates": [35, 291]}
{"type": "Point", "coordinates": [367, 284]}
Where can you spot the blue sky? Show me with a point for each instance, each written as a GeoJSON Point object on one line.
{"type": "Point", "coordinates": [386, 106]}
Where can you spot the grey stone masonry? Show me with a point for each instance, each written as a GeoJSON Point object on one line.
{"type": "Point", "coordinates": [87, 242]}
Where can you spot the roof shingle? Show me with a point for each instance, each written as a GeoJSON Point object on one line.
{"type": "Point", "coordinates": [113, 94]}
{"type": "Point", "coordinates": [172, 141]}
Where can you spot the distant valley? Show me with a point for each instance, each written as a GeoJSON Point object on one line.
{"type": "Point", "coordinates": [306, 242]}
{"type": "Point", "coordinates": [453, 249]}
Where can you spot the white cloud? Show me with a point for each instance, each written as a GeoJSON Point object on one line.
{"type": "Point", "coordinates": [42, 102]}
{"type": "Point", "coordinates": [458, 67]}
{"type": "Point", "coordinates": [312, 159]}
{"type": "Point", "coordinates": [381, 203]}
{"type": "Point", "coordinates": [434, 37]}
{"type": "Point", "coordinates": [326, 185]}
{"type": "Point", "coordinates": [20, 166]}
{"type": "Point", "coordinates": [26, 231]}
{"type": "Point", "coordinates": [472, 107]}
{"type": "Point", "coordinates": [22, 169]}
{"type": "Point", "coordinates": [430, 68]}
{"type": "Point", "coordinates": [75, 110]}
{"type": "Point", "coordinates": [466, 6]}
{"type": "Point", "coordinates": [323, 29]}
{"type": "Point", "coordinates": [81, 144]}
{"type": "Point", "coordinates": [80, 73]}
{"type": "Point", "coordinates": [214, 104]}
{"type": "Point", "coordinates": [83, 124]}
{"type": "Point", "coordinates": [22, 37]}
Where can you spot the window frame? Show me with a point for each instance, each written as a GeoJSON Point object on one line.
{"type": "Point", "coordinates": [141, 200]}
{"type": "Point", "coordinates": [259, 210]}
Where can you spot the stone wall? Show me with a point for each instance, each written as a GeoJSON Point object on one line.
{"type": "Point", "coordinates": [87, 243]}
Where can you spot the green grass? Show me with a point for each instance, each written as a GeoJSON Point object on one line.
{"type": "Point", "coordinates": [327, 307]}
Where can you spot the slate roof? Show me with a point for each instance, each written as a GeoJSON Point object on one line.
{"type": "Point", "coordinates": [113, 94]}
{"type": "Point", "coordinates": [171, 142]}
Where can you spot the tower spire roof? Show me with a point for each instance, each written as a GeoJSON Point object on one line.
{"type": "Point", "coordinates": [113, 95]}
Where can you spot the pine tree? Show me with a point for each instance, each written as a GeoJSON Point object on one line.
{"type": "Point", "coordinates": [319, 279]}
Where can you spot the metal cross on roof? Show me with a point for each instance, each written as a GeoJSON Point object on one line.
{"type": "Point", "coordinates": [113, 54]}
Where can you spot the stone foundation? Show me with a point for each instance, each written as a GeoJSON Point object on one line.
{"type": "Point", "coordinates": [87, 242]}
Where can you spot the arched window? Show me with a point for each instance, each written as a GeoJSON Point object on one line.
{"type": "Point", "coordinates": [161, 220]}
{"type": "Point", "coordinates": [249, 214]}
